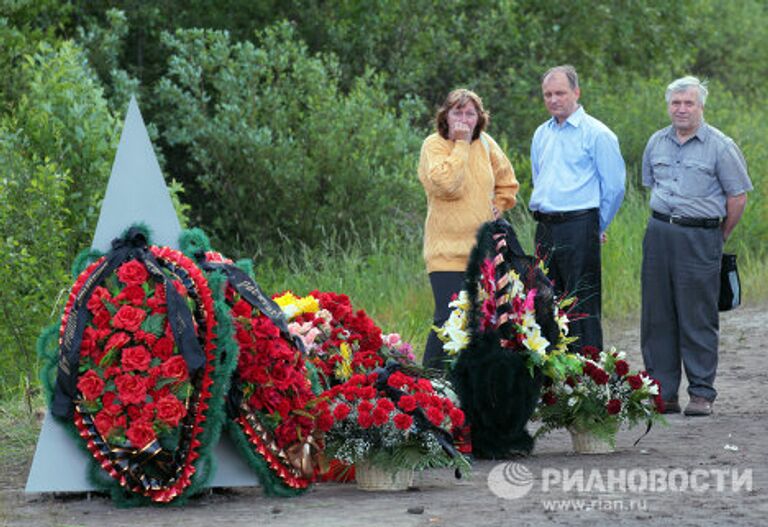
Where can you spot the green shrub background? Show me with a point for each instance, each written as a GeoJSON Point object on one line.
{"type": "Point", "coordinates": [290, 131]}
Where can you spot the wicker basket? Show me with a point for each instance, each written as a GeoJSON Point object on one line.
{"type": "Point", "coordinates": [585, 442]}
{"type": "Point", "coordinates": [373, 477]}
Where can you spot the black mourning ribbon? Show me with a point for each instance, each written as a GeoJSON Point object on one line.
{"type": "Point", "coordinates": [442, 436]}
{"type": "Point", "coordinates": [248, 289]}
{"type": "Point", "coordinates": [133, 246]}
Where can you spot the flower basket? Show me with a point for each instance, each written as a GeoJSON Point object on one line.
{"type": "Point", "coordinates": [587, 442]}
{"type": "Point", "coordinates": [372, 477]}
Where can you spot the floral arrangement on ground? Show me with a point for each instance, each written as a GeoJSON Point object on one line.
{"type": "Point", "coordinates": [395, 421]}
{"type": "Point", "coordinates": [599, 395]}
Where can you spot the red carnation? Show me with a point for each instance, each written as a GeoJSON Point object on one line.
{"type": "Point", "coordinates": [242, 309]}
{"type": "Point", "coordinates": [135, 358]}
{"type": "Point", "coordinates": [386, 405]}
{"type": "Point", "coordinates": [132, 273]}
{"type": "Point", "coordinates": [341, 411]}
{"type": "Point", "coordinates": [622, 368]}
{"type": "Point", "coordinates": [365, 420]}
{"type": "Point", "coordinates": [613, 406]}
{"type": "Point", "coordinates": [403, 421]}
{"type": "Point", "coordinates": [131, 389]}
{"type": "Point", "coordinates": [457, 416]}
{"type": "Point", "coordinates": [407, 403]}
{"type": "Point", "coordinates": [170, 410]}
{"type": "Point", "coordinates": [435, 416]}
{"type": "Point", "coordinates": [129, 318]}
{"type": "Point", "coordinates": [90, 385]}
{"type": "Point", "coordinates": [365, 406]}
{"type": "Point", "coordinates": [324, 422]}
{"type": "Point", "coordinates": [175, 368]}
{"type": "Point", "coordinates": [140, 434]}
{"type": "Point", "coordinates": [380, 416]}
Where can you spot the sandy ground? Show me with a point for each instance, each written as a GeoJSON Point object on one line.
{"type": "Point", "coordinates": [695, 471]}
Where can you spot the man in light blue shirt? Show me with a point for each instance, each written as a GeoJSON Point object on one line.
{"type": "Point", "coordinates": [578, 186]}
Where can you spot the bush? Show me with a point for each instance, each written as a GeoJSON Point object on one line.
{"type": "Point", "coordinates": [277, 151]}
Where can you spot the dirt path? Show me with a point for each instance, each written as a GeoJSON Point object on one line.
{"type": "Point", "coordinates": [700, 461]}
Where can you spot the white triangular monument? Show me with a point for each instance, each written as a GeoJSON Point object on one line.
{"type": "Point", "coordinates": [136, 192]}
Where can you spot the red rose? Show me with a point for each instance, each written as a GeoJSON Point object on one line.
{"type": "Point", "coordinates": [140, 434]}
{"type": "Point", "coordinates": [635, 382]}
{"type": "Point", "coordinates": [457, 416]}
{"type": "Point", "coordinates": [549, 398]}
{"type": "Point", "coordinates": [147, 338]}
{"type": "Point", "coordinates": [365, 420]}
{"type": "Point", "coordinates": [132, 389]}
{"type": "Point", "coordinates": [90, 385]}
{"type": "Point", "coordinates": [101, 319]}
{"type": "Point", "coordinates": [134, 412]}
{"type": "Point", "coordinates": [407, 403]}
{"type": "Point", "coordinates": [135, 358]}
{"type": "Point", "coordinates": [175, 368]}
{"type": "Point", "coordinates": [133, 294]}
{"type": "Point", "coordinates": [613, 406]}
{"type": "Point", "coordinates": [170, 410]}
{"type": "Point", "coordinates": [658, 402]}
{"type": "Point", "coordinates": [403, 421]}
{"type": "Point", "coordinates": [104, 423]}
{"type": "Point", "coordinates": [163, 348]}
{"type": "Point", "coordinates": [622, 368]}
{"type": "Point", "coordinates": [129, 318]}
{"type": "Point", "coordinates": [380, 416]}
{"type": "Point", "coordinates": [112, 371]}
{"type": "Point", "coordinates": [89, 345]}
{"type": "Point", "coordinates": [117, 341]}
{"type": "Point", "coordinates": [132, 273]}
{"type": "Point", "coordinates": [95, 304]}
{"type": "Point", "coordinates": [598, 375]}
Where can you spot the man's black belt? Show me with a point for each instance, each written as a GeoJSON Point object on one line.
{"type": "Point", "coordinates": [704, 223]}
{"type": "Point", "coordinates": [560, 217]}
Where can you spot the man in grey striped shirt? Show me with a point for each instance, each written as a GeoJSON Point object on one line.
{"type": "Point", "coordinates": [698, 180]}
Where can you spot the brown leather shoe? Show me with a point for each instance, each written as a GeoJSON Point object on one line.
{"type": "Point", "coordinates": [671, 407]}
{"type": "Point", "coordinates": [698, 406]}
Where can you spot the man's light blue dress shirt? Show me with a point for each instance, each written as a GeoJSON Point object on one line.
{"type": "Point", "coordinates": [577, 165]}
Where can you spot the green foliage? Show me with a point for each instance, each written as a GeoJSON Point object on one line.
{"type": "Point", "coordinates": [32, 249]}
{"type": "Point", "coordinates": [64, 116]}
{"type": "Point", "coordinates": [278, 151]}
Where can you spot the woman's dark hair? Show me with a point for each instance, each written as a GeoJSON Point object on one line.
{"type": "Point", "coordinates": [458, 99]}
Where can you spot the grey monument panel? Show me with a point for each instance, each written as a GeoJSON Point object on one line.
{"type": "Point", "coordinates": [136, 192]}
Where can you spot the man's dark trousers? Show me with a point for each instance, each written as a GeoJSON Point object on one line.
{"type": "Point", "coordinates": [680, 321]}
{"type": "Point", "coordinates": [570, 246]}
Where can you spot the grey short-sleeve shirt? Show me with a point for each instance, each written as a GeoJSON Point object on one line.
{"type": "Point", "coordinates": [693, 179]}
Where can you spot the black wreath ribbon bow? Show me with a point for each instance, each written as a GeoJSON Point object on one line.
{"type": "Point", "coordinates": [132, 246]}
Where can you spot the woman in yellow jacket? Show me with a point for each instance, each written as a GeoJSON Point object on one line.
{"type": "Point", "coordinates": [468, 181]}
